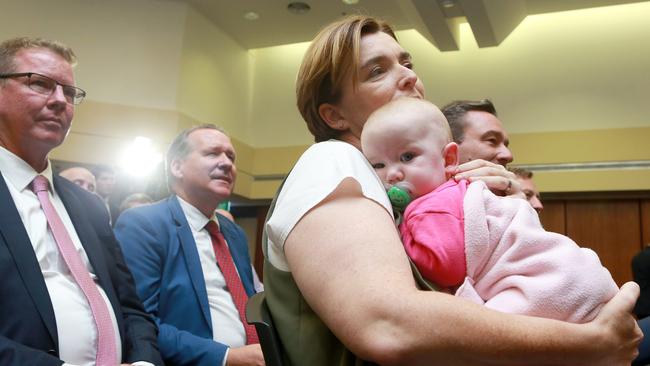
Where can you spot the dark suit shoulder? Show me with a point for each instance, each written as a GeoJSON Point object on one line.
{"type": "Point", "coordinates": [642, 259]}
{"type": "Point", "coordinates": [64, 184]}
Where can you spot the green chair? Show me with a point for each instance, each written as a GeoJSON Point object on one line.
{"type": "Point", "coordinates": [257, 314]}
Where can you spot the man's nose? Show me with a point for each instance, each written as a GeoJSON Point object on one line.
{"type": "Point", "coordinates": [58, 97]}
{"type": "Point", "coordinates": [225, 163]}
{"type": "Point", "coordinates": [504, 156]}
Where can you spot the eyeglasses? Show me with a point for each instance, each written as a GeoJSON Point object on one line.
{"type": "Point", "coordinates": [46, 86]}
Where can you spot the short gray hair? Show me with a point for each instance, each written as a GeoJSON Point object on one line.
{"type": "Point", "coordinates": [180, 148]}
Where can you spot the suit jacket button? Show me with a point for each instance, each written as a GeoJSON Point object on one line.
{"type": "Point", "coordinates": [52, 352]}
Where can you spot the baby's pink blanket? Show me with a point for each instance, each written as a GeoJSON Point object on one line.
{"type": "Point", "coordinates": [515, 266]}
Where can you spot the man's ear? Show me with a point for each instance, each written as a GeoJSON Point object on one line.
{"type": "Point", "coordinates": [450, 154]}
{"type": "Point", "coordinates": [330, 114]}
{"type": "Point", "coordinates": [175, 168]}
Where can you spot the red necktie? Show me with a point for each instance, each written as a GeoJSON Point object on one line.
{"type": "Point", "coordinates": [235, 286]}
{"type": "Point", "coordinates": [106, 347]}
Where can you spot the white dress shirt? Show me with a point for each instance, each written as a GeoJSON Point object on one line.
{"type": "Point", "coordinates": [227, 327]}
{"type": "Point", "coordinates": [74, 320]}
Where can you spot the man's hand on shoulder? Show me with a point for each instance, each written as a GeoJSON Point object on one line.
{"type": "Point", "coordinates": [250, 355]}
{"type": "Point", "coordinates": [496, 177]}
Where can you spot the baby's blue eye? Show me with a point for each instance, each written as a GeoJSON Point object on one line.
{"type": "Point", "coordinates": [406, 157]}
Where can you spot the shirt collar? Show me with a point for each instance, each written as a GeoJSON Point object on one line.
{"type": "Point", "coordinates": [195, 218]}
{"type": "Point", "coordinates": [18, 172]}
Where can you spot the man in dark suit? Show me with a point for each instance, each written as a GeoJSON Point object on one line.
{"type": "Point", "coordinates": [60, 265]}
{"type": "Point", "coordinates": [180, 268]}
{"type": "Point", "coordinates": [66, 294]}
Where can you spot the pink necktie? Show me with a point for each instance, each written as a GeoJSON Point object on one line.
{"type": "Point", "coordinates": [106, 348]}
{"type": "Point", "coordinates": [235, 286]}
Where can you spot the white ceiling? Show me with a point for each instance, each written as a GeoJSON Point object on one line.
{"type": "Point", "coordinates": [491, 20]}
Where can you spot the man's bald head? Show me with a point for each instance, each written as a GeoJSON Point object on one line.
{"type": "Point", "coordinates": [81, 177]}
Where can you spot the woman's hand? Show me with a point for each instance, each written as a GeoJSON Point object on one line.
{"type": "Point", "coordinates": [618, 329]}
{"type": "Point", "coordinates": [497, 178]}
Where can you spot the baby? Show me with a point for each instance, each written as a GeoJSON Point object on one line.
{"type": "Point", "coordinates": [491, 250]}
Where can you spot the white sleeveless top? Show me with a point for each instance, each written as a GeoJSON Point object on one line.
{"type": "Point", "coordinates": [318, 173]}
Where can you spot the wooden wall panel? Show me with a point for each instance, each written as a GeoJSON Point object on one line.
{"type": "Point", "coordinates": [612, 228]}
{"type": "Point", "coordinates": [553, 217]}
{"type": "Point", "coordinates": [645, 222]}
{"type": "Point", "coordinates": [259, 254]}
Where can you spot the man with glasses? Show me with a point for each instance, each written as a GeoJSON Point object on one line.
{"type": "Point", "coordinates": [65, 294]}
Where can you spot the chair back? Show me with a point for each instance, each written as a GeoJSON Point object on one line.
{"type": "Point", "coordinates": [257, 314]}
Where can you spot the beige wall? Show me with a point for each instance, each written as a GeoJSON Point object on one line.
{"type": "Point", "coordinates": [161, 66]}
{"type": "Point", "coordinates": [214, 77]}
{"type": "Point", "coordinates": [127, 57]}
{"type": "Point", "coordinates": [276, 119]}
{"type": "Point", "coordinates": [577, 70]}
{"type": "Point", "coordinates": [587, 146]}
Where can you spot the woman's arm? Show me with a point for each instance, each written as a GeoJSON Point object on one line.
{"type": "Point", "coordinates": [498, 179]}
{"type": "Point", "coordinates": [346, 258]}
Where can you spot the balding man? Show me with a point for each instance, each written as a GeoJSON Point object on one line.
{"type": "Point", "coordinates": [80, 176]}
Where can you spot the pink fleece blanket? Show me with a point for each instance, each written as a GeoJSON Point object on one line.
{"type": "Point", "coordinates": [515, 266]}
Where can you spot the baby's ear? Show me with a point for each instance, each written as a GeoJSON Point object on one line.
{"type": "Point", "coordinates": [450, 154]}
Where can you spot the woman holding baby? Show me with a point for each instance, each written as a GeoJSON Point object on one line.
{"type": "Point", "coordinates": [338, 282]}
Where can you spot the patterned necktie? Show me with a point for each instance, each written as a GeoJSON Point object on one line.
{"type": "Point", "coordinates": [235, 286]}
{"type": "Point", "coordinates": [106, 347]}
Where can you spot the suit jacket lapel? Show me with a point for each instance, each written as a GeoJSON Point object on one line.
{"type": "Point", "coordinates": [191, 254]}
{"type": "Point", "coordinates": [14, 236]}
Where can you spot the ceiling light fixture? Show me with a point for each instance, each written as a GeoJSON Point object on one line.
{"type": "Point", "coordinates": [447, 4]}
{"type": "Point", "coordinates": [298, 7]}
{"type": "Point", "coordinates": [251, 15]}
{"type": "Point", "coordinates": [350, 2]}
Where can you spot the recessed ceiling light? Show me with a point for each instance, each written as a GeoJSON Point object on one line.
{"type": "Point", "coordinates": [350, 2]}
{"type": "Point", "coordinates": [298, 7]}
{"type": "Point", "coordinates": [251, 15]}
{"type": "Point", "coordinates": [447, 4]}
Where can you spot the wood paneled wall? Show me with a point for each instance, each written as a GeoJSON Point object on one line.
{"type": "Point", "coordinates": [614, 225]}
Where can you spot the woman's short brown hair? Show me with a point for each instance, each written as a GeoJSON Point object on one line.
{"type": "Point", "coordinates": [331, 57]}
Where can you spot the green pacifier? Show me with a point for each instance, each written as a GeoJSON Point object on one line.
{"type": "Point", "coordinates": [399, 198]}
